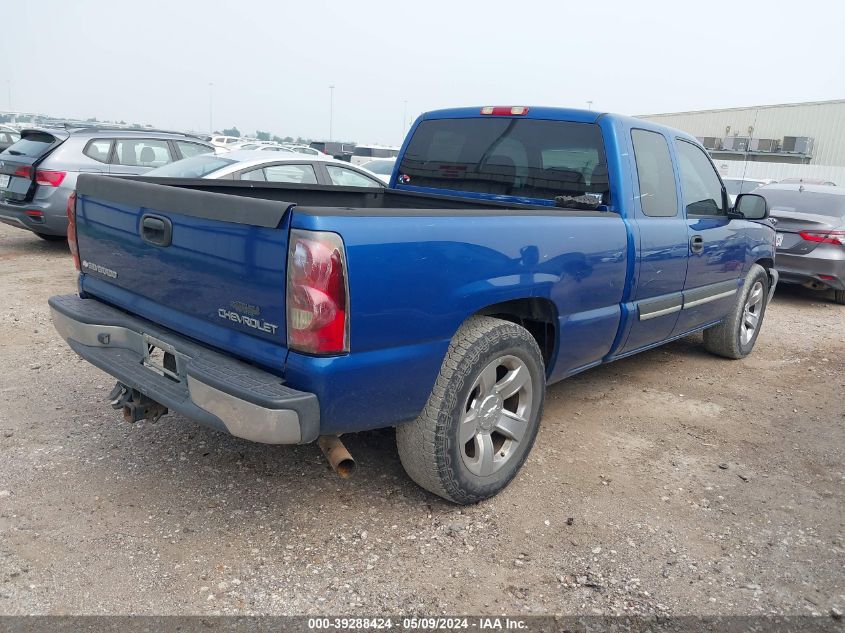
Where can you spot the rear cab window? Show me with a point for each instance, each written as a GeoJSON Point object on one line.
{"type": "Point", "coordinates": [559, 161]}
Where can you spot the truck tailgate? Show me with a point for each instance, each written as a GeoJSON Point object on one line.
{"type": "Point", "coordinates": [209, 265]}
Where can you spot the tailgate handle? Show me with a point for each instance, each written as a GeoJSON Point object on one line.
{"type": "Point", "coordinates": [156, 230]}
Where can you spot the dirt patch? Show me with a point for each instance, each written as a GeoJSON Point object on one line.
{"type": "Point", "coordinates": [670, 482]}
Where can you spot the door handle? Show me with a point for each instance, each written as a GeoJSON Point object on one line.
{"type": "Point", "coordinates": [156, 230]}
{"type": "Point", "coordinates": [696, 244]}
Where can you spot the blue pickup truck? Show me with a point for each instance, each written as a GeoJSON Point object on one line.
{"type": "Point", "coordinates": [515, 246]}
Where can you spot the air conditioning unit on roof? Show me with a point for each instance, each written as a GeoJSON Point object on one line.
{"type": "Point", "coordinates": [764, 145]}
{"type": "Point", "coordinates": [711, 142]}
{"type": "Point", "coordinates": [797, 144]}
{"type": "Point", "coordinates": [736, 143]}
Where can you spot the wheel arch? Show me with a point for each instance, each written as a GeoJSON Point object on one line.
{"type": "Point", "coordinates": [538, 315]}
{"type": "Point", "coordinates": [766, 262]}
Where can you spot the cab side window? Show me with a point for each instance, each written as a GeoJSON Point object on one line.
{"type": "Point", "coordinates": [701, 187]}
{"type": "Point", "coordinates": [658, 193]}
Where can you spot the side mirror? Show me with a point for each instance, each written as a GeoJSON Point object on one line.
{"type": "Point", "coordinates": [751, 206]}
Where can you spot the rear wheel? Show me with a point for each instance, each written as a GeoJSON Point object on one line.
{"type": "Point", "coordinates": [52, 238]}
{"type": "Point", "coordinates": [839, 296]}
{"type": "Point", "coordinates": [735, 336]}
{"type": "Point", "coordinates": [482, 416]}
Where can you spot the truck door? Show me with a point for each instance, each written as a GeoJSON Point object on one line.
{"type": "Point", "coordinates": [661, 264]}
{"type": "Point", "coordinates": [717, 246]}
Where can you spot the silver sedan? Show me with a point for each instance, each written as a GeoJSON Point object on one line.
{"type": "Point", "coordinates": [810, 235]}
{"type": "Point", "coordinates": [259, 166]}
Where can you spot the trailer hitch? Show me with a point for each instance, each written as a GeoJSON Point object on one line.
{"type": "Point", "coordinates": [136, 406]}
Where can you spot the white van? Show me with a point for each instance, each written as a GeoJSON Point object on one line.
{"type": "Point", "coordinates": [365, 153]}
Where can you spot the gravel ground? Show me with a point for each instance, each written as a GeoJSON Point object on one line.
{"type": "Point", "coordinates": [672, 482]}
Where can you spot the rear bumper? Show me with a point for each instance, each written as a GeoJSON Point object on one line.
{"type": "Point", "coordinates": [51, 217]}
{"type": "Point", "coordinates": [819, 265]}
{"type": "Point", "coordinates": [214, 389]}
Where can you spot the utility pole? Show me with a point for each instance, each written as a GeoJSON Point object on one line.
{"type": "Point", "coordinates": [331, 113]}
{"type": "Point", "coordinates": [210, 107]}
{"type": "Point", "coordinates": [589, 105]}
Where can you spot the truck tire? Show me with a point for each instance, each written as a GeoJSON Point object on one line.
{"type": "Point", "coordinates": [482, 416]}
{"type": "Point", "coordinates": [839, 297]}
{"type": "Point", "coordinates": [735, 336]}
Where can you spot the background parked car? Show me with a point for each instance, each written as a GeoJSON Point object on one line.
{"type": "Point", "coordinates": [808, 181]}
{"type": "Point", "coordinates": [8, 136]}
{"type": "Point", "coordinates": [306, 149]}
{"type": "Point", "coordinates": [39, 172]}
{"type": "Point", "coordinates": [810, 235]}
{"type": "Point", "coordinates": [365, 153]}
{"type": "Point", "coordinates": [225, 142]}
{"type": "Point", "coordinates": [263, 147]}
{"type": "Point", "coordinates": [260, 166]}
{"type": "Point", "coordinates": [381, 167]}
{"type": "Point", "coordinates": [340, 151]}
{"type": "Point", "coordinates": [736, 186]}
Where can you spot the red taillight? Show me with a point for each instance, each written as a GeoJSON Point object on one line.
{"type": "Point", "coordinates": [824, 237]}
{"type": "Point", "coordinates": [71, 229]}
{"type": "Point", "coordinates": [317, 302]}
{"type": "Point", "coordinates": [23, 172]}
{"type": "Point", "coordinates": [49, 178]}
{"type": "Point", "coordinates": [505, 110]}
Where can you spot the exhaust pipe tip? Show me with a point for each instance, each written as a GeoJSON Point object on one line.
{"type": "Point", "coordinates": [345, 468]}
{"type": "Point", "coordinates": [337, 455]}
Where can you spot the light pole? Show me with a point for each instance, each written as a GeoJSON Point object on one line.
{"type": "Point", "coordinates": [210, 107]}
{"type": "Point", "coordinates": [589, 105]}
{"type": "Point", "coordinates": [331, 112]}
{"type": "Point", "coordinates": [9, 88]}
{"type": "Point", "coordinates": [404, 118]}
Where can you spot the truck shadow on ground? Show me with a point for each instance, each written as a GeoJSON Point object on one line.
{"type": "Point", "coordinates": [30, 244]}
{"type": "Point", "coordinates": [177, 455]}
{"type": "Point", "coordinates": [799, 296]}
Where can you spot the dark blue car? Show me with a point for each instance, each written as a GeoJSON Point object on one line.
{"type": "Point", "coordinates": [514, 247]}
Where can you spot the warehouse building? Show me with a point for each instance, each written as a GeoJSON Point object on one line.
{"type": "Point", "coordinates": [791, 140]}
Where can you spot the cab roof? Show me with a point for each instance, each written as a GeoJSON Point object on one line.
{"type": "Point", "coordinates": [573, 115]}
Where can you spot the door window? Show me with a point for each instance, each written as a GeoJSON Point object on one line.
{"type": "Point", "coordinates": [299, 174]}
{"type": "Point", "coordinates": [348, 178]}
{"type": "Point", "coordinates": [658, 194]}
{"type": "Point", "coordinates": [141, 153]}
{"type": "Point", "coordinates": [296, 174]}
{"type": "Point", "coordinates": [702, 189]}
{"type": "Point", "coordinates": [98, 149]}
{"type": "Point", "coordinates": [192, 149]}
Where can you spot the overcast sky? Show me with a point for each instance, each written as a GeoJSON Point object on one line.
{"type": "Point", "coordinates": [272, 63]}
